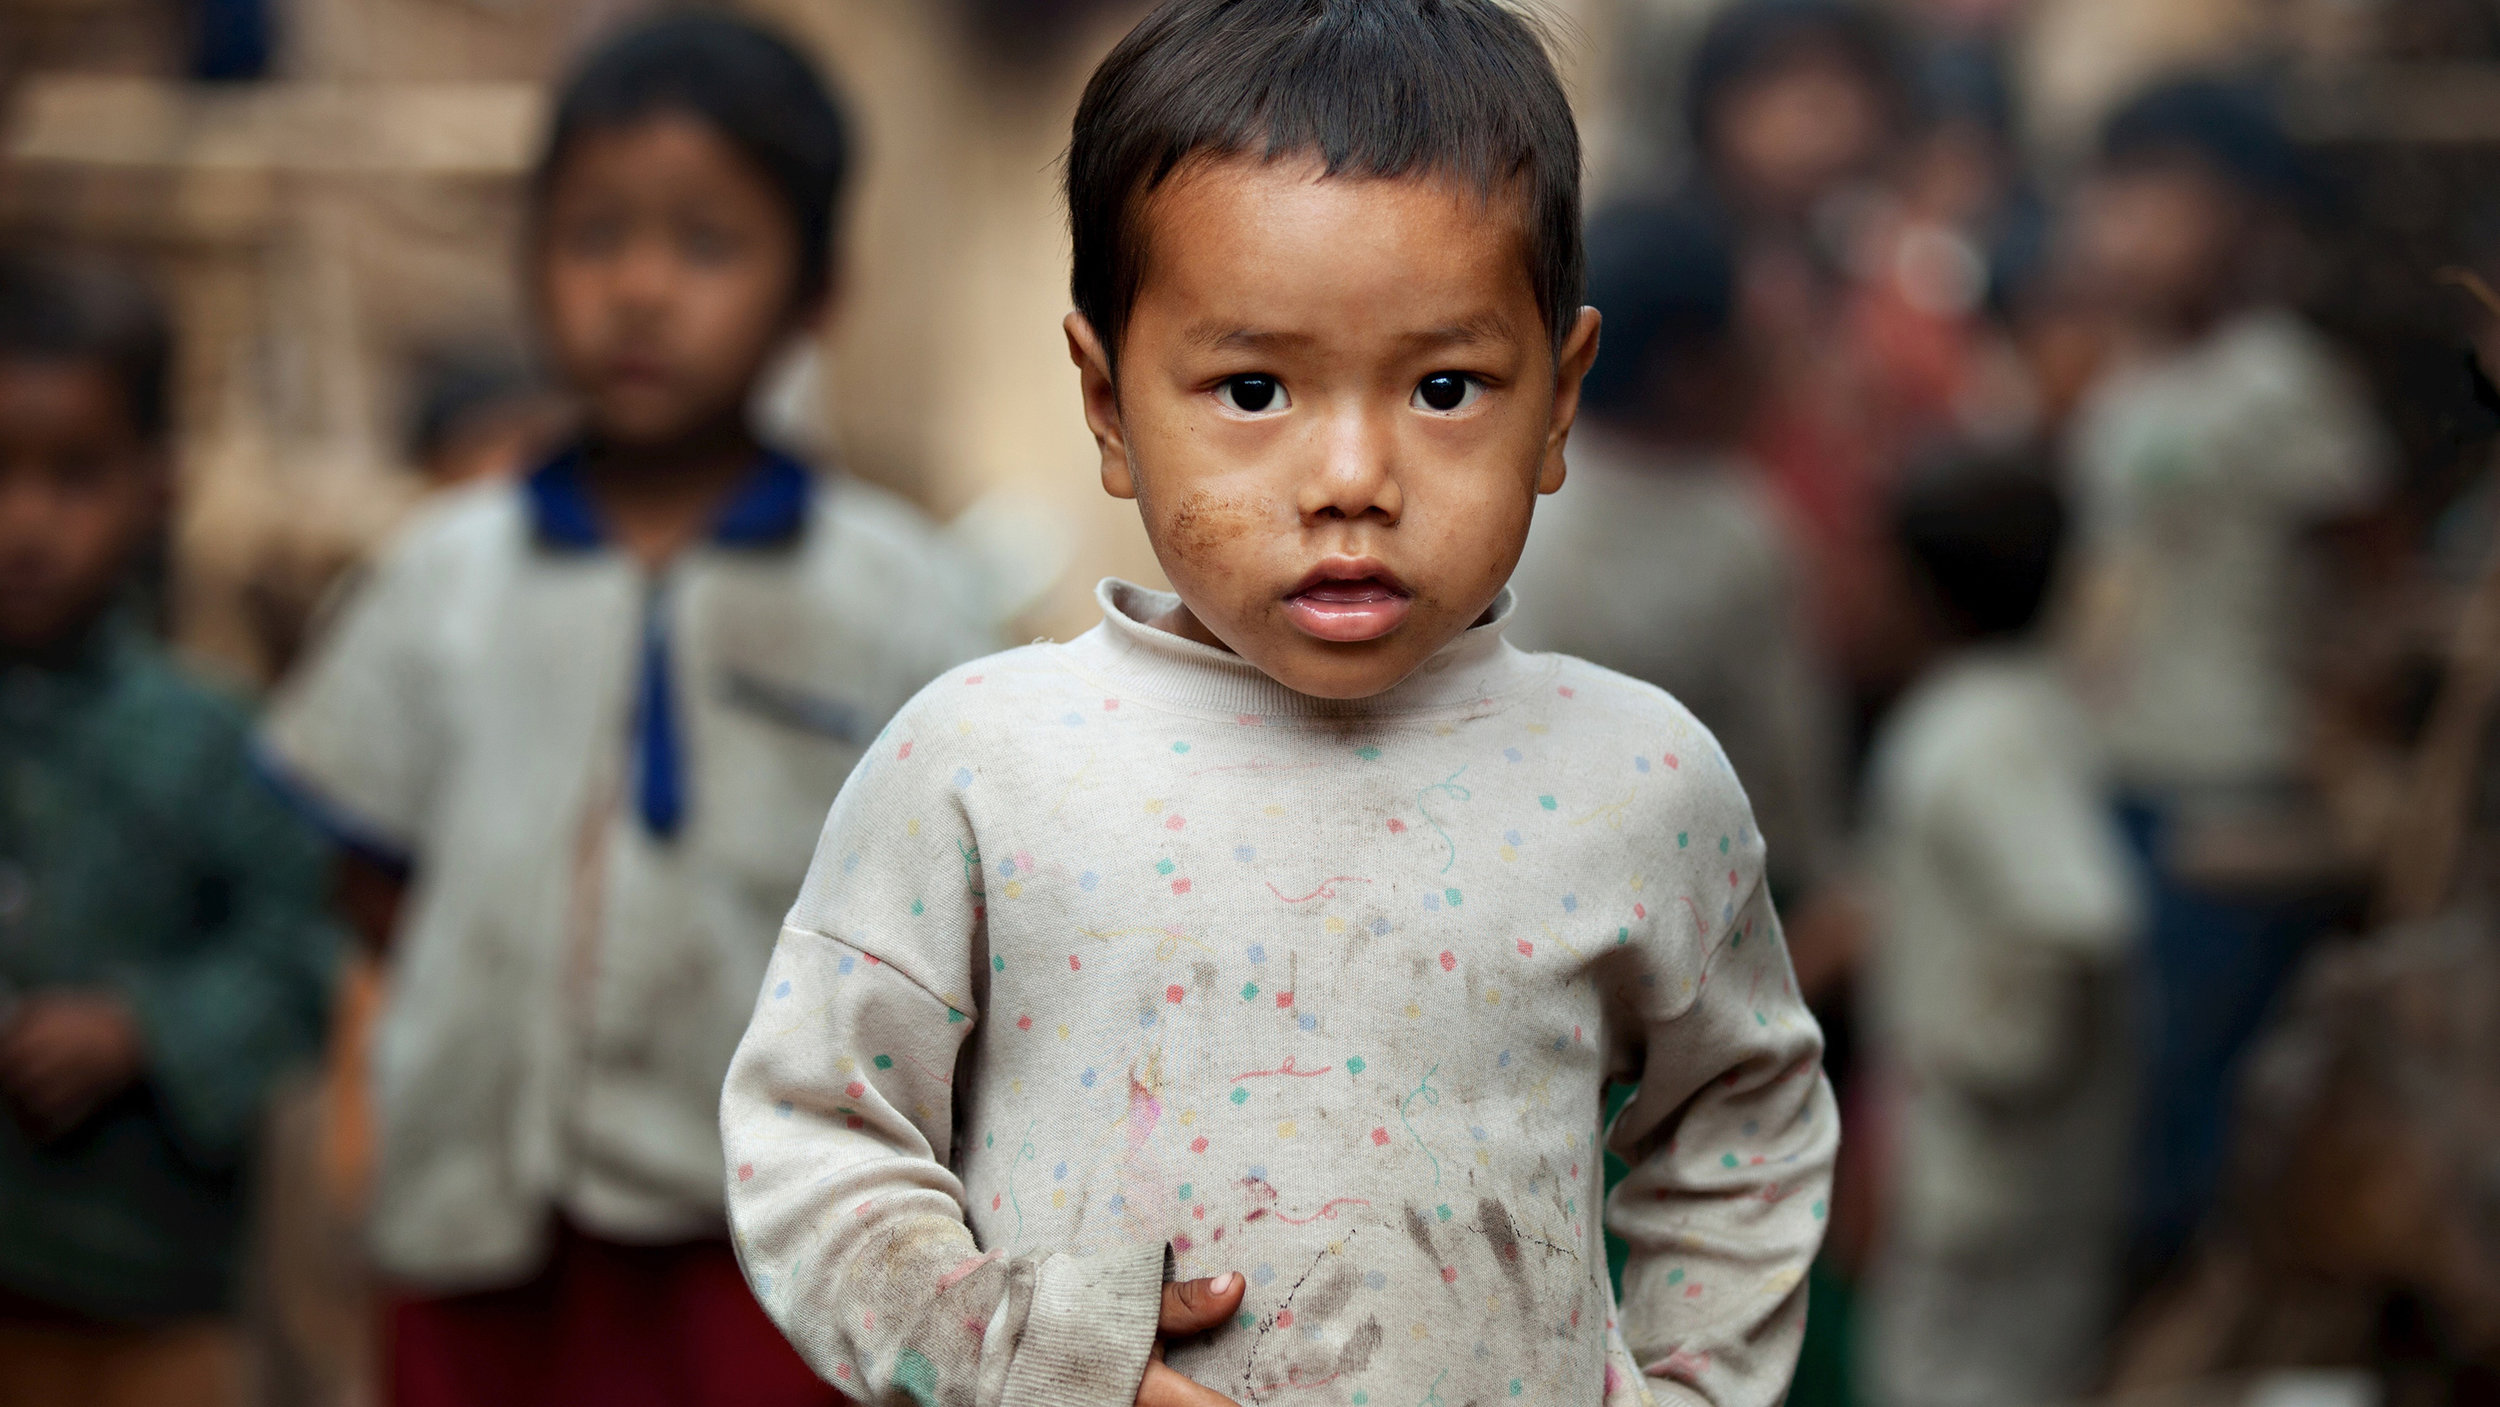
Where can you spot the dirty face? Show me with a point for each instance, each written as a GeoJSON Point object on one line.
{"type": "Point", "coordinates": [1336, 403]}
{"type": "Point", "coordinates": [79, 491]}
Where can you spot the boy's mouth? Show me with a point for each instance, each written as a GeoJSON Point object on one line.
{"type": "Point", "coordinates": [1348, 601]}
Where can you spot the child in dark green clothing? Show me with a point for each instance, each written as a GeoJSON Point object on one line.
{"type": "Point", "coordinates": [163, 954]}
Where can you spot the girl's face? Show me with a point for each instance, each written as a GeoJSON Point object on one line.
{"type": "Point", "coordinates": [667, 271]}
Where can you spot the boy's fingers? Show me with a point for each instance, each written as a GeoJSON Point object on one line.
{"type": "Point", "coordinates": [1194, 1306]}
{"type": "Point", "coordinates": [1164, 1388]}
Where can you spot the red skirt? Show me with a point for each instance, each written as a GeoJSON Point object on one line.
{"type": "Point", "coordinates": [604, 1325]}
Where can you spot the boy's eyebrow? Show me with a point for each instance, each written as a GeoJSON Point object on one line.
{"type": "Point", "coordinates": [1225, 337]}
{"type": "Point", "coordinates": [1482, 327]}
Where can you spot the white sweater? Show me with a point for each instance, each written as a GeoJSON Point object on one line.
{"type": "Point", "coordinates": [1119, 950]}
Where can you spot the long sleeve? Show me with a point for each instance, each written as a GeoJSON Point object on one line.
{"type": "Point", "coordinates": [1731, 1140]}
{"type": "Point", "coordinates": [838, 1118]}
{"type": "Point", "coordinates": [356, 740]}
{"type": "Point", "coordinates": [223, 1019]}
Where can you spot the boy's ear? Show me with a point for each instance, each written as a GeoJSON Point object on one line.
{"type": "Point", "coordinates": [1102, 404]}
{"type": "Point", "coordinates": [1579, 353]}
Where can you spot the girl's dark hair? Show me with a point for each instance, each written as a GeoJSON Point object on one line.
{"type": "Point", "coordinates": [744, 82]}
{"type": "Point", "coordinates": [66, 311]}
{"type": "Point", "coordinates": [1374, 88]}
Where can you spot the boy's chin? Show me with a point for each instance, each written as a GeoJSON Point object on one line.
{"type": "Point", "coordinates": [46, 627]}
{"type": "Point", "coordinates": [1329, 670]}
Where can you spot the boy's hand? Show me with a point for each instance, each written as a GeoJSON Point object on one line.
{"type": "Point", "coordinates": [1190, 1307]}
{"type": "Point", "coordinates": [65, 1053]}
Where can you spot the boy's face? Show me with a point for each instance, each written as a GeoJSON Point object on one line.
{"type": "Point", "coordinates": [666, 273]}
{"type": "Point", "coordinates": [79, 490]}
{"type": "Point", "coordinates": [1337, 401]}
{"type": "Point", "coordinates": [2153, 236]}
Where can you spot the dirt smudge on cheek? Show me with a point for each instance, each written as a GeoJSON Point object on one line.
{"type": "Point", "coordinates": [1201, 523]}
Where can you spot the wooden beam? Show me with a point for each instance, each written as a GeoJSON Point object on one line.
{"type": "Point", "coordinates": [413, 129]}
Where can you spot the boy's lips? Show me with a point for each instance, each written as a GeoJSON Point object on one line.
{"type": "Point", "coordinates": [1348, 602]}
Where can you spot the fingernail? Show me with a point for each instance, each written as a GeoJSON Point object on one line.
{"type": "Point", "coordinates": [1221, 1284]}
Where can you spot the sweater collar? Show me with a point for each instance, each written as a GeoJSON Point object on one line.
{"type": "Point", "coordinates": [1473, 670]}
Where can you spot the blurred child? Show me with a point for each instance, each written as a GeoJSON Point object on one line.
{"type": "Point", "coordinates": [588, 721]}
{"type": "Point", "coordinates": [1666, 561]}
{"type": "Point", "coordinates": [164, 954]}
{"type": "Point", "coordinates": [2203, 462]}
{"type": "Point", "coordinates": [1796, 108]}
{"type": "Point", "coordinates": [1997, 976]}
{"type": "Point", "coordinates": [1285, 930]}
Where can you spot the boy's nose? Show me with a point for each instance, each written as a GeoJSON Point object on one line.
{"type": "Point", "coordinates": [1356, 471]}
{"type": "Point", "coordinates": [646, 274]}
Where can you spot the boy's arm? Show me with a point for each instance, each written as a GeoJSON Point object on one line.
{"type": "Point", "coordinates": [1731, 1140]}
{"type": "Point", "coordinates": [355, 741]}
{"type": "Point", "coordinates": [838, 1119]}
{"type": "Point", "coordinates": [250, 996]}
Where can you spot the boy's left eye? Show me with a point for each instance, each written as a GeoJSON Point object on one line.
{"type": "Point", "coordinates": [1446, 391]}
{"type": "Point", "coordinates": [1252, 394]}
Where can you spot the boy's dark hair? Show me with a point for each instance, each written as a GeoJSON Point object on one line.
{"type": "Point", "coordinates": [745, 83]}
{"type": "Point", "coordinates": [1985, 536]}
{"type": "Point", "coordinates": [1752, 36]}
{"type": "Point", "coordinates": [2228, 125]}
{"type": "Point", "coordinates": [1377, 88]}
{"type": "Point", "coordinates": [57, 310]}
{"type": "Point", "coordinates": [1664, 278]}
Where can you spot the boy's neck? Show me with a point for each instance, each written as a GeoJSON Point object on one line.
{"type": "Point", "coordinates": [60, 650]}
{"type": "Point", "coordinates": [659, 499]}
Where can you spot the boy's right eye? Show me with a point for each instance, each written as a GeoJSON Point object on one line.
{"type": "Point", "coordinates": [1254, 394]}
{"type": "Point", "coordinates": [593, 236]}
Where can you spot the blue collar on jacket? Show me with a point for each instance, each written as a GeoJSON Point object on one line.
{"type": "Point", "coordinates": [769, 509]}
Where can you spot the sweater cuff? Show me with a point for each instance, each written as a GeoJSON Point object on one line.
{"type": "Point", "coordinates": [1090, 1330]}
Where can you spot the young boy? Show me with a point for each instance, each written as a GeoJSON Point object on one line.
{"type": "Point", "coordinates": [1998, 972]}
{"type": "Point", "coordinates": [591, 717]}
{"type": "Point", "coordinates": [2205, 462]}
{"type": "Point", "coordinates": [164, 955]}
{"type": "Point", "coordinates": [1284, 932]}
